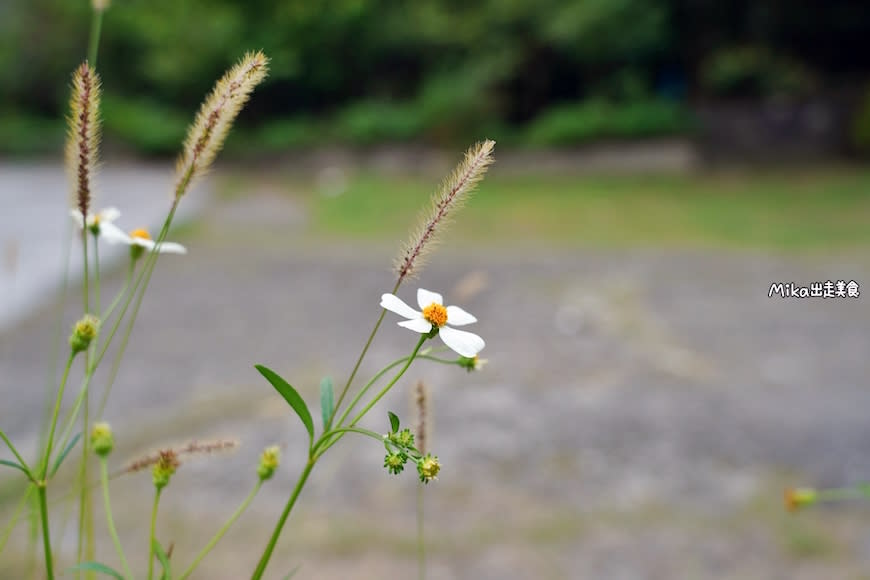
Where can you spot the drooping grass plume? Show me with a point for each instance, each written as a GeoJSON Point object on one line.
{"type": "Point", "coordinates": [450, 196]}
{"type": "Point", "coordinates": [191, 448]}
{"type": "Point", "coordinates": [215, 118]}
{"type": "Point", "coordinates": [83, 135]}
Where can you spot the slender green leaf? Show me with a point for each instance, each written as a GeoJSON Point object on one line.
{"type": "Point", "coordinates": [164, 560]}
{"type": "Point", "coordinates": [394, 421]}
{"type": "Point", "coordinates": [97, 567]}
{"type": "Point", "coordinates": [290, 395]}
{"type": "Point", "coordinates": [326, 400]}
{"type": "Point", "coordinates": [8, 463]}
{"type": "Point", "coordinates": [64, 453]}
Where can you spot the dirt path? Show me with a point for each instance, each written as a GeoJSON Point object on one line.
{"type": "Point", "coordinates": [638, 418]}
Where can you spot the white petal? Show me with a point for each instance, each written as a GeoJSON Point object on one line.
{"type": "Point", "coordinates": [417, 325]}
{"type": "Point", "coordinates": [464, 343]}
{"type": "Point", "coordinates": [425, 298]}
{"type": "Point", "coordinates": [171, 248]}
{"type": "Point", "coordinates": [147, 244]}
{"type": "Point", "coordinates": [109, 214]}
{"type": "Point", "coordinates": [113, 234]}
{"type": "Point", "coordinates": [394, 304]}
{"type": "Point", "coordinates": [76, 215]}
{"type": "Point", "coordinates": [458, 317]}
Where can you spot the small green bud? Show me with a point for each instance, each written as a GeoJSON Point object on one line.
{"type": "Point", "coordinates": [472, 363]}
{"type": "Point", "coordinates": [164, 468]}
{"type": "Point", "coordinates": [800, 497]}
{"type": "Point", "coordinates": [269, 461]}
{"type": "Point", "coordinates": [102, 439]}
{"type": "Point", "coordinates": [84, 331]}
{"type": "Point", "coordinates": [428, 468]}
{"type": "Point", "coordinates": [395, 462]}
{"type": "Point", "coordinates": [403, 438]}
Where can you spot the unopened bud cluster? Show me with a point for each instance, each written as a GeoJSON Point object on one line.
{"type": "Point", "coordinates": [102, 439]}
{"type": "Point", "coordinates": [269, 461]}
{"type": "Point", "coordinates": [84, 331]}
{"type": "Point", "coordinates": [401, 449]}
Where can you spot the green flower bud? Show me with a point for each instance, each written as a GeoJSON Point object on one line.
{"type": "Point", "coordinates": [84, 331]}
{"type": "Point", "coordinates": [395, 462]}
{"type": "Point", "coordinates": [102, 439]}
{"type": "Point", "coordinates": [473, 363]}
{"type": "Point", "coordinates": [164, 468]}
{"type": "Point", "coordinates": [403, 438]}
{"type": "Point", "coordinates": [428, 468]}
{"type": "Point", "coordinates": [269, 461]}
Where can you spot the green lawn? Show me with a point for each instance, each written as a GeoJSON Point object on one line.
{"type": "Point", "coordinates": [795, 210]}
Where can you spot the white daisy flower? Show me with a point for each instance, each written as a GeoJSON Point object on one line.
{"type": "Point", "coordinates": [435, 315]}
{"type": "Point", "coordinates": [100, 223]}
{"type": "Point", "coordinates": [142, 239]}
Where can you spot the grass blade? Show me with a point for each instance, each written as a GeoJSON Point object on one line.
{"type": "Point", "coordinates": [326, 401]}
{"type": "Point", "coordinates": [64, 453]}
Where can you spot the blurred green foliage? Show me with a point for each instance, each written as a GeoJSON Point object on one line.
{"type": "Point", "coordinates": [596, 119]}
{"type": "Point", "coordinates": [754, 71]}
{"type": "Point", "coordinates": [364, 71]}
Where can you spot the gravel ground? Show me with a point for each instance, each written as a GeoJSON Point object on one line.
{"type": "Point", "coordinates": [639, 416]}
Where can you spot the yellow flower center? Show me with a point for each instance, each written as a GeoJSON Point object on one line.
{"type": "Point", "coordinates": [436, 314]}
{"type": "Point", "coordinates": [140, 233]}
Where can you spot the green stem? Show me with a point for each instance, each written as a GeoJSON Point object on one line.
{"type": "Point", "coordinates": [368, 385]}
{"type": "Point", "coordinates": [94, 43]}
{"type": "Point", "coordinates": [839, 493]}
{"type": "Point", "coordinates": [222, 531]}
{"type": "Point", "coordinates": [141, 280]}
{"type": "Point", "coordinates": [389, 386]}
{"type": "Point", "coordinates": [270, 547]}
{"type": "Point", "coordinates": [332, 432]}
{"type": "Point", "coordinates": [381, 373]}
{"type": "Point", "coordinates": [66, 434]}
{"type": "Point", "coordinates": [121, 293]}
{"type": "Point", "coordinates": [104, 481]}
{"type": "Point", "coordinates": [85, 297]}
{"type": "Point", "coordinates": [53, 425]}
{"type": "Point", "coordinates": [57, 335]}
{"type": "Point", "coordinates": [361, 357]}
{"type": "Point", "coordinates": [97, 275]}
{"type": "Point", "coordinates": [15, 452]}
{"type": "Point", "coordinates": [380, 395]}
{"type": "Point", "coordinates": [86, 515]}
{"type": "Point", "coordinates": [421, 545]}
{"type": "Point", "coordinates": [46, 535]}
{"type": "Point", "coordinates": [152, 537]}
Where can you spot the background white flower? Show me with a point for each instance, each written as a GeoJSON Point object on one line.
{"type": "Point", "coordinates": [100, 223]}
{"type": "Point", "coordinates": [142, 239]}
{"type": "Point", "coordinates": [434, 314]}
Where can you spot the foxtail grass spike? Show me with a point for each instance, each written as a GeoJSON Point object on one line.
{"type": "Point", "coordinates": [215, 118]}
{"type": "Point", "coordinates": [451, 195]}
{"type": "Point", "coordinates": [422, 399]}
{"type": "Point", "coordinates": [83, 135]}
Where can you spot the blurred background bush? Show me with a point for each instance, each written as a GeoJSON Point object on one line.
{"type": "Point", "coordinates": [362, 72]}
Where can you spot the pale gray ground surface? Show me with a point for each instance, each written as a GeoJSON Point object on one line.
{"type": "Point", "coordinates": [639, 416]}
